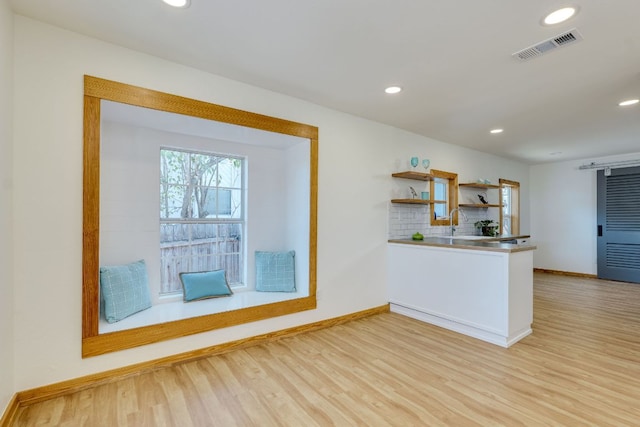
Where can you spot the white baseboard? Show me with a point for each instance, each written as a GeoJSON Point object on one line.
{"type": "Point", "coordinates": [490, 337]}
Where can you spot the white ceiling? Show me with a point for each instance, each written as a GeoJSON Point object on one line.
{"type": "Point", "coordinates": [453, 59]}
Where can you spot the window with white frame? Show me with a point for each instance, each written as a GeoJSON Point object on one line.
{"type": "Point", "coordinates": [506, 209]}
{"type": "Point", "coordinates": [441, 196]}
{"type": "Point", "coordinates": [202, 215]}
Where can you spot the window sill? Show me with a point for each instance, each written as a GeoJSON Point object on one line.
{"type": "Point", "coordinates": [177, 310]}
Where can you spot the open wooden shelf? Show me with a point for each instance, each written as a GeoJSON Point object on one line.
{"type": "Point", "coordinates": [477, 205]}
{"type": "Point", "coordinates": [412, 201]}
{"type": "Point", "coordinates": [417, 201]}
{"type": "Point", "coordinates": [420, 176]}
{"type": "Point", "coordinates": [478, 185]}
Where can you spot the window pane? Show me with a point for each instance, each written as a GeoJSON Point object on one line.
{"type": "Point", "coordinates": [203, 182]}
{"type": "Point", "coordinates": [174, 167]}
{"type": "Point", "coordinates": [217, 202]}
{"type": "Point", "coordinates": [441, 192]}
{"type": "Point", "coordinates": [203, 168]}
{"type": "Point", "coordinates": [202, 232]}
{"type": "Point", "coordinates": [506, 200]}
{"type": "Point", "coordinates": [440, 189]}
{"type": "Point", "coordinates": [230, 231]}
{"type": "Point", "coordinates": [175, 255]}
{"type": "Point", "coordinates": [506, 225]}
{"type": "Point", "coordinates": [440, 210]}
{"type": "Point", "coordinates": [236, 204]}
{"type": "Point", "coordinates": [174, 202]}
{"type": "Point", "coordinates": [506, 210]}
{"type": "Point", "coordinates": [231, 265]}
{"type": "Point", "coordinates": [230, 173]}
{"type": "Point", "coordinates": [171, 233]}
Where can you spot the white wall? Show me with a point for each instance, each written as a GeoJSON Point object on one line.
{"type": "Point", "coordinates": [6, 250]}
{"type": "Point", "coordinates": [563, 214]}
{"type": "Point", "coordinates": [297, 205]}
{"type": "Point", "coordinates": [356, 158]}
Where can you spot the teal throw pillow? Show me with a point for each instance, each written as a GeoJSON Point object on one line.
{"type": "Point", "coordinates": [275, 271]}
{"type": "Point", "coordinates": [204, 284]}
{"type": "Point", "coordinates": [124, 290]}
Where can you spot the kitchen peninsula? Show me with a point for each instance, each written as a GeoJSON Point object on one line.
{"type": "Point", "coordinates": [480, 288]}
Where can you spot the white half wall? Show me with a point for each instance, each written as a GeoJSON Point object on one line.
{"type": "Point", "coordinates": [356, 159]}
{"type": "Point", "coordinates": [563, 214]}
{"type": "Point", "coordinates": [6, 207]}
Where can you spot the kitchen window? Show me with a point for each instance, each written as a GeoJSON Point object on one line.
{"type": "Point", "coordinates": [510, 207]}
{"type": "Point", "coordinates": [444, 191]}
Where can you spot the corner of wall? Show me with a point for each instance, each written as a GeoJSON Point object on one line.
{"type": "Point", "coordinates": [7, 383]}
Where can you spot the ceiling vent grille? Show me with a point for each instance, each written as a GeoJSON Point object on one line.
{"type": "Point", "coordinates": [548, 45]}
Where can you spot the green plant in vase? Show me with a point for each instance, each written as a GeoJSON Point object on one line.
{"type": "Point", "coordinates": [487, 227]}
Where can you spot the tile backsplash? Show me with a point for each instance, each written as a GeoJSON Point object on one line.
{"type": "Point", "coordinates": [405, 220]}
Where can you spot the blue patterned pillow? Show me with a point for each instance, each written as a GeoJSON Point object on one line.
{"type": "Point", "coordinates": [275, 271]}
{"type": "Point", "coordinates": [124, 290]}
{"type": "Point", "coordinates": [204, 284]}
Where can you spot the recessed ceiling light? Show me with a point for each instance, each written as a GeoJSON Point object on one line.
{"type": "Point", "coordinates": [629, 102]}
{"type": "Point", "coordinates": [559, 15]}
{"type": "Point", "coordinates": [393, 89]}
{"type": "Point", "coordinates": [177, 3]}
{"type": "Point", "coordinates": [496, 130]}
{"type": "Point", "coordinates": [555, 153]}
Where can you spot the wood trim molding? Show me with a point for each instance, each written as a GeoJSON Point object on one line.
{"type": "Point", "coordinates": [452, 197]}
{"type": "Point", "coordinates": [28, 397]}
{"type": "Point", "coordinates": [10, 412]}
{"type": "Point", "coordinates": [509, 182]}
{"type": "Point", "coordinates": [148, 98]}
{"type": "Point", "coordinates": [129, 338]}
{"type": "Point", "coordinates": [515, 210]}
{"type": "Point", "coordinates": [90, 216]}
{"type": "Point", "coordinates": [565, 273]}
{"type": "Point", "coordinates": [95, 90]}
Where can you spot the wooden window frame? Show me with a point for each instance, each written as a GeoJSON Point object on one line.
{"type": "Point", "coordinates": [452, 200]}
{"type": "Point", "coordinates": [515, 213]}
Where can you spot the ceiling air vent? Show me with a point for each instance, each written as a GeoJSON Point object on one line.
{"type": "Point", "coordinates": [548, 45]}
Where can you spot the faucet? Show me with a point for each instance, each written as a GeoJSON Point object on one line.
{"type": "Point", "coordinates": [453, 229]}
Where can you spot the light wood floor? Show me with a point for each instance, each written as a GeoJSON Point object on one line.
{"type": "Point", "coordinates": [580, 367]}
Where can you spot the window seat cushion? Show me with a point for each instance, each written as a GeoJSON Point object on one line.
{"type": "Point", "coordinates": [275, 271]}
{"type": "Point", "coordinates": [124, 290]}
{"type": "Point", "coordinates": [204, 284]}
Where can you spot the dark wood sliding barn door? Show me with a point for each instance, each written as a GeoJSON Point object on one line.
{"type": "Point", "coordinates": [619, 225]}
